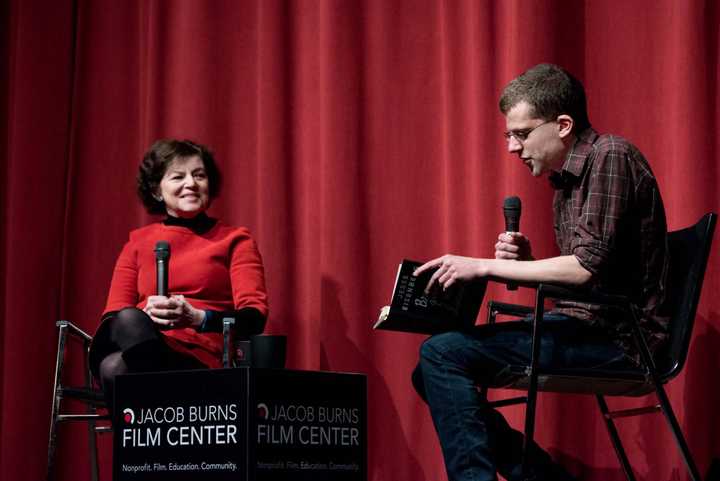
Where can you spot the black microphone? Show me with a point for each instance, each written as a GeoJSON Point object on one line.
{"type": "Point", "coordinates": [162, 261]}
{"type": "Point", "coordinates": [511, 210]}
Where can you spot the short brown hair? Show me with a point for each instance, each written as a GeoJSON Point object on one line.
{"type": "Point", "coordinates": [156, 161]}
{"type": "Point", "coordinates": [550, 91]}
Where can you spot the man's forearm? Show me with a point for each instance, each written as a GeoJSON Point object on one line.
{"type": "Point", "coordinates": [560, 270]}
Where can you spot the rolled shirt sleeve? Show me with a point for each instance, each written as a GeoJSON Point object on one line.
{"type": "Point", "coordinates": [606, 205]}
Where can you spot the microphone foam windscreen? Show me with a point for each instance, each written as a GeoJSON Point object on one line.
{"type": "Point", "coordinates": [511, 210]}
{"type": "Point", "coordinates": [162, 249]}
{"type": "Point", "coordinates": [512, 203]}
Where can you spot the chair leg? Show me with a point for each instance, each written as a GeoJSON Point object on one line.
{"type": "Point", "coordinates": [533, 384]}
{"type": "Point", "coordinates": [529, 430]}
{"type": "Point", "coordinates": [677, 432]}
{"type": "Point", "coordinates": [615, 438]}
{"type": "Point", "coordinates": [93, 453]}
{"type": "Point", "coordinates": [92, 431]}
{"type": "Point", "coordinates": [57, 398]}
{"type": "Point", "coordinates": [52, 441]}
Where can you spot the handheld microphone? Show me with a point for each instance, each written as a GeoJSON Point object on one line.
{"type": "Point", "coordinates": [162, 261]}
{"type": "Point", "coordinates": [511, 210]}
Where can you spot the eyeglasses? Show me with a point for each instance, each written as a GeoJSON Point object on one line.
{"type": "Point", "coordinates": [522, 134]}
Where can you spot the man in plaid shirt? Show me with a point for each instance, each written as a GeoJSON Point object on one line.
{"type": "Point", "coordinates": [609, 223]}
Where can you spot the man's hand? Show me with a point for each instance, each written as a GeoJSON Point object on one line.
{"type": "Point", "coordinates": [173, 312]}
{"type": "Point", "coordinates": [451, 269]}
{"type": "Point", "coordinates": [513, 246]}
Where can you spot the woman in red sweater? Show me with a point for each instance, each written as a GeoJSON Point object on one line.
{"type": "Point", "coordinates": [215, 271]}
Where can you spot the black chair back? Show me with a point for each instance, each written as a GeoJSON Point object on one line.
{"type": "Point", "coordinates": [689, 250]}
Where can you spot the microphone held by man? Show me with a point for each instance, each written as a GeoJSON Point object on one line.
{"type": "Point", "coordinates": [512, 208]}
{"type": "Point", "coordinates": [512, 244]}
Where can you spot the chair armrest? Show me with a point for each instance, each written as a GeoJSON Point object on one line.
{"type": "Point", "coordinates": [512, 309]}
{"type": "Point", "coordinates": [623, 302]}
{"type": "Point", "coordinates": [74, 330]}
{"type": "Point", "coordinates": [64, 328]}
{"type": "Point", "coordinates": [554, 291]}
{"type": "Point", "coordinates": [495, 308]}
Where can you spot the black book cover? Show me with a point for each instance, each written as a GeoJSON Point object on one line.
{"type": "Point", "coordinates": [411, 310]}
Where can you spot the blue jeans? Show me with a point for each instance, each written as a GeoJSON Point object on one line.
{"type": "Point", "coordinates": [477, 443]}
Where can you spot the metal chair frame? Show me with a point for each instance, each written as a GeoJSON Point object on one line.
{"type": "Point", "coordinates": [87, 394]}
{"type": "Point", "coordinates": [92, 397]}
{"type": "Point", "coordinates": [650, 378]}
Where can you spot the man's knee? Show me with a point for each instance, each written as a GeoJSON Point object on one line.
{"type": "Point", "coordinates": [418, 382]}
{"type": "Point", "coordinates": [440, 348]}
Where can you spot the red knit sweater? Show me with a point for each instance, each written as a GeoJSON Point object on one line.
{"type": "Point", "coordinates": [218, 270]}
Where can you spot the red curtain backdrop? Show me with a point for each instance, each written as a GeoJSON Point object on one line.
{"type": "Point", "coordinates": [351, 134]}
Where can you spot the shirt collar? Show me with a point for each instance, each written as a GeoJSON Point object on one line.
{"type": "Point", "coordinates": [199, 224]}
{"type": "Point", "coordinates": [575, 161]}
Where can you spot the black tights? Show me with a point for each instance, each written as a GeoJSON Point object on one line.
{"type": "Point", "coordinates": [128, 341]}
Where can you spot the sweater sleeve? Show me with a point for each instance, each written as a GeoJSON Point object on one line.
{"type": "Point", "coordinates": [247, 275]}
{"type": "Point", "coordinates": [124, 285]}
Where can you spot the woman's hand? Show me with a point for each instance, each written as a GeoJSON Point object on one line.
{"type": "Point", "coordinates": [173, 312]}
{"type": "Point", "coordinates": [513, 246]}
{"type": "Point", "coordinates": [451, 269]}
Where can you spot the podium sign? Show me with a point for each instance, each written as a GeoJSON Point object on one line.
{"type": "Point", "coordinates": [240, 424]}
{"type": "Point", "coordinates": [310, 426]}
{"type": "Point", "coordinates": [184, 425]}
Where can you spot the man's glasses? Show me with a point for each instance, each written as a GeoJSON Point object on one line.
{"type": "Point", "coordinates": [522, 134]}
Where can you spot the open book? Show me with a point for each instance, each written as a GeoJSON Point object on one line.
{"type": "Point", "coordinates": [411, 310]}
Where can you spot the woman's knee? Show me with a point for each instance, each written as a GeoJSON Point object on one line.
{"type": "Point", "coordinates": [129, 322]}
{"type": "Point", "coordinates": [112, 365]}
{"type": "Point", "coordinates": [133, 315]}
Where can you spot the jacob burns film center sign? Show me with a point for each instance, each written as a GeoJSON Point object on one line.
{"type": "Point", "coordinates": [241, 424]}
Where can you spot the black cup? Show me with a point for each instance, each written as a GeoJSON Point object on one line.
{"type": "Point", "coordinates": [268, 351]}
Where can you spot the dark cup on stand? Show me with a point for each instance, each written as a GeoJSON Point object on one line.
{"type": "Point", "coordinates": [268, 351]}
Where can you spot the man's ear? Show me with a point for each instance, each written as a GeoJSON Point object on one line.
{"type": "Point", "coordinates": [566, 124]}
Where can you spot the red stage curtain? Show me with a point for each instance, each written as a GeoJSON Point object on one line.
{"type": "Point", "coordinates": [351, 134]}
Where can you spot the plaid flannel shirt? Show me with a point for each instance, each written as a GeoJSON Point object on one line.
{"type": "Point", "coordinates": [610, 216]}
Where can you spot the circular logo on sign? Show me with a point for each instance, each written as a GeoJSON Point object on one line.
{"type": "Point", "coordinates": [128, 416]}
{"type": "Point", "coordinates": [262, 411]}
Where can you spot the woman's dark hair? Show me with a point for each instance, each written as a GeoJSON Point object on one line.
{"type": "Point", "coordinates": [156, 161]}
{"type": "Point", "coordinates": [550, 91]}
